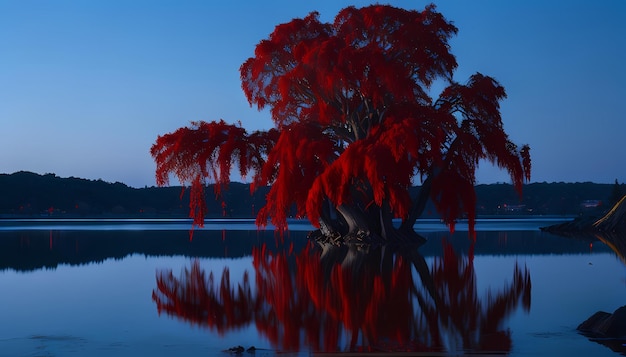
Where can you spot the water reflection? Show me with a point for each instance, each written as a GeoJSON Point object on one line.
{"type": "Point", "coordinates": [36, 249]}
{"type": "Point", "coordinates": [615, 241]}
{"type": "Point", "coordinates": [609, 331]}
{"type": "Point", "coordinates": [329, 298]}
{"type": "Point", "coordinates": [33, 250]}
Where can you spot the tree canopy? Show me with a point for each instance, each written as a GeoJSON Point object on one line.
{"type": "Point", "coordinates": [356, 125]}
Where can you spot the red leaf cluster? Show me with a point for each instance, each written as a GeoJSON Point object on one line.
{"type": "Point", "coordinates": [197, 299]}
{"type": "Point", "coordinates": [207, 151]}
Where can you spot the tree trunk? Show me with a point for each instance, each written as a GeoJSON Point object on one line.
{"type": "Point", "coordinates": [355, 219]}
{"type": "Point", "coordinates": [353, 225]}
{"type": "Point", "coordinates": [366, 223]}
{"type": "Point", "coordinates": [419, 204]}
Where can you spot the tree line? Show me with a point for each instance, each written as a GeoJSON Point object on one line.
{"type": "Point", "coordinates": [27, 194]}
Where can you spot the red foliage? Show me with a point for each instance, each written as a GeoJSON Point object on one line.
{"type": "Point", "coordinates": [207, 151]}
{"type": "Point", "coordinates": [195, 298]}
{"type": "Point", "coordinates": [462, 309]}
{"type": "Point", "coordinates": [365, 302]}
{"type": "Point", "coordinates": [355, 123]}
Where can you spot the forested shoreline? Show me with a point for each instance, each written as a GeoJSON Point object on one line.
{"type": "Point", "coordinates": [27, 194]}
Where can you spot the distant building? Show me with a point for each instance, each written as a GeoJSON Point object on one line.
{"type": "Point", "coordinates": [590, 204]}
{"type": "Point", "coordinates": [511, 208]}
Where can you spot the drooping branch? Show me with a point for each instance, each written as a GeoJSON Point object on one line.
{"type": "Point", "coordinates": [207, 151]}
{"type": "Point", "coordinates": [354, 124]}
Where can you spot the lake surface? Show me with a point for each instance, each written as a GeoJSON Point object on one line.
{"type": "Point", "coordinates": [137, 287]}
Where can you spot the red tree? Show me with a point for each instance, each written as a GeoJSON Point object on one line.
{"type": "Point", "coordinates": [355, 126]}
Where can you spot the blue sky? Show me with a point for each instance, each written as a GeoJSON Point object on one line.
{"type": "Point", "coordinates": [87, 86]}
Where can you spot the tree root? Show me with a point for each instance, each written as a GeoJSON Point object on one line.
{"type": "Point", "coordinates": [366, 238]}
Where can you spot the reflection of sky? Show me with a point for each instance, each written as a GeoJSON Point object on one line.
{"type": "Point", "coordinates": [106, 309]}
{"type": "Point", "coordinates": [566, 290]}
{"type": "Point", "coordinates": [143, 224]}
{"type": "Point", "coordinates": [246, 224]}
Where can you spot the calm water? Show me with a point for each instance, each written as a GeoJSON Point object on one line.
{"type": "Point", "coordinates": [127, 288]}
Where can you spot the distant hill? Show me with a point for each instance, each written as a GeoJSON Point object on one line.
{"type": "Point", "coordinates": [29, 194]}
{"type": "Point", "coordinates": [26, 194]}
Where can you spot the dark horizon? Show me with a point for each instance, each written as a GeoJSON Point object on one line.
{"type": "Point", "coordinates": [27, 194]}
{"type": "Point", "coordinates": [154, 185]}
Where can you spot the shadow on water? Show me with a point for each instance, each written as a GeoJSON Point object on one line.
{"type": "Point", "coordinates": [39, 249]}
{"type": "Point", "coordinates": [29, 250]}
{"type": "Point", "coordinates": [341, 298]}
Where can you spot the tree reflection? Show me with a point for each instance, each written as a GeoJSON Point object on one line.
{"type": "Point", "coordinates": [614, 240]}
{"type": "Point", "coordinates": [334, 298]}
{"type": "Point", "coordinates": [602, 327]}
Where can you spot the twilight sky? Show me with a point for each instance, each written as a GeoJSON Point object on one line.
{"type": "Point", "coordinates": [87, 86]}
